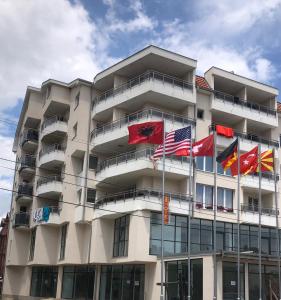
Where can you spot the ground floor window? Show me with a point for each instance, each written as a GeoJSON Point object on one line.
{"type": "Point", "coordinates": [44, 282]}
{"type": "Point", "coordinates": [177, 279]}
{"type": "Point", "coordinates": [78, 282]}
{"type": "Point", "coordinates": [230, 281]}
{"type": "Point", "coordinates": [122, 282]}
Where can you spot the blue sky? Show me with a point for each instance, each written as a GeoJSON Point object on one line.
{"type": "Point", "coordinates": [64, 40]}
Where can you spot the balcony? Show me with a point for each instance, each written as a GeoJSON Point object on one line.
{"type": "Point", "coordinates": [158, 87]}
{"type": "Point", "coordinates": [49, 187]}
{"type": "Point", "coordinates": [21, 220]}
{"type": "Point", "coordinates": [54, 128]}
{"type": "Point", "coordinates": [252, 181]}
{"type": "Point", "coordinates": [52, 156]}
{"type": "Point", "coordinates": [244, 109]}
{"type": "Point", "coordinates": [247, 140]}
{"type": "Point", "coordinates": [131, 165]}
{"type": "Point", "coordinates": [117, 131]}
{"type": "Point", "coordinates": [25, 193]}
{"type": "Point", "coordinates": [134, 200]}
{"type": "Point", "coordinates": [27, 166]}
{"type": "Point", "coordinates": [53, 219]}
{"type": "Point", "coordinates": [29, 140]}
{"type": "Point", "coordinates": [250, 214]}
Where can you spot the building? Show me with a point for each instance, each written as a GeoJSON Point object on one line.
{"type": "Point", "coordinates": [86, 207]}
{"type": "Point", "coordinates": [3, 246]}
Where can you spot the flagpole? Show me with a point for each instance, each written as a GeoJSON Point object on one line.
{"type": "Point", "coordinates": [259, 240]}
{"type": "Point", "coordinates": [162, 222]}
{"type": "Point", "coordinates": [189, 221]}
{"type": "Point", "coordinates": [215, 216]}
{"type": "Point", "coordinates": [277, 221]}
{"type": "Point", "coordinates": [238, 218]}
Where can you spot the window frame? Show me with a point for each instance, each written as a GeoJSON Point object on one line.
{"type": "Point", "coordinates": [74, 130]}
{"type": "Point", "coordinates": [203, 203]}
{"type": "Point", "coordinates": [63, 241]}
{"type": "Point", "coordinates": [32, 244]}
{"type": "Point", "coordinates": [200, 111]}
{"type": "Point", "coordinates": [121, 236]}
{"type": "Point", "coordinates": [76, 100]}
{"type": "Point", "coordinates": [224, 207]}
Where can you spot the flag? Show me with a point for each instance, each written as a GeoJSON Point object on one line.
{"type": "Point", "coordinates": [225, 131]}
{"type": "Point", "coordinates": [228, 157]}
{"type": "Point", "coordinates": [248, 162]}
{"type": "Point", "coordinates": [148, 132]}
{"type": "Point", "coordinates": [267, 161]}
{"type": "Point", "coordinates": [175, 142]}
{"type": "Point", "coordinates": [204, 147]}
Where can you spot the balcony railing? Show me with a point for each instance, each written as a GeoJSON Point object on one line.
{"type": "Point", "coordinates": [146, 194]}
{"type": "Point", "coordinates": [27, 161]}
{"type": "Point", "coordinates": [134, 155]}
{"type": "Point", "coordinates": [25, 190]}
{"type": "Point", "coordinates": [236, 100]}
{"type": "Point", "coordinates": [29, 135]}
{"type": "Point", "coordinates": [255, 209]}
{"type": "Point", "coordinates": [52, 148]}
{"type": "Point", "coordinates": [22, 219]}
{"type": "Point", "coordinates": [140, 115]}
{"type": "Point", "coordinates": [51, 121]}
{"type": "Point", "coordinates": [251, 137]}
{"type": "Point", "coordinates": [149, 75]}
{"type": "Point", "coordinates": [48, 179]}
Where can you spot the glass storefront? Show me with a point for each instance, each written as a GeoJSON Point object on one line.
{"type": "Point", "coordinates": [177, 279]}
{"type": "Point", "coordinates": [78, 282]}
{"type": "Point", "coordinates": [122, 282]}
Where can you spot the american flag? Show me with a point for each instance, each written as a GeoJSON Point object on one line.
{"type": "Point", "coordinates": [174, 141]}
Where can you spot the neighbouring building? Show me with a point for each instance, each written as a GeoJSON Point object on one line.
{"type": "Point", "coordinates": [3, 246]}
{"type": "Point", "coordinates": [86, 212]}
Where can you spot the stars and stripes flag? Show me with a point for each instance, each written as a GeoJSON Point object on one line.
{"type": "Point", "coordinates": [175, 141]}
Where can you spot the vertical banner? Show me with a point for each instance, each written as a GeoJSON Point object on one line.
{"type": "Point", "coordinates": [166, 209]}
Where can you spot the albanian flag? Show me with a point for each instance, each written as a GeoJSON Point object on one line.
{"type": "Point", "coordinates": [229, 156]}
{"type": "Point", "coordinates": [146, 133]}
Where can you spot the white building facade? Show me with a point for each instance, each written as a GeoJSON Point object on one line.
{"type": "Point", "coordinates": [86, 206]}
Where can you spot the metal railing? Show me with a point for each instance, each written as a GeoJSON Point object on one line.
{"type": "Point", "coordinates": [47, 179]}
{"type": "Point", "coordinates": [25, 190]}
{"type": "Point", "coordinates": [132, 194]}
{"type": "Point", "coordinates": [251, 137]}
{"type": "Point", "coordinates": [255, 209]}
{"type": "Point", "coordinates": [135, 155]}
{"type": "Point", "coordinates": [140, 115]}
{"type": "Point", "coordinates": [54, 209]}
{"type": "Point", "coordinates": [29, 135]}
{"type": "Point", "coordinates": [27, 161]}
{"type": "Point", "coordinates": [251, 105]}
{"type": "Point", "coordinates": [21, 219]}
{"type": "Point", "coordinates": [269, 176]}
{"type": "Point", "coordinates": [148, 75]}
{"type": "Point", "coordinates": [52, 148]}
{"type": "Point", "coordinates": [52, 120]}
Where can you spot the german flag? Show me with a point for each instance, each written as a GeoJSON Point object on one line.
{"type": "Point", "coordinates": [229, 156]}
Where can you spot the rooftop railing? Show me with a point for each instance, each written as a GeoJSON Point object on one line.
{"type": "Point", "coordinates": [140, 115]}
{"type": "Point", "coordinates": [251, 137]}
{"type": "Point", "coordinates": [149, 75]}
{"type": "Point", "coordinates": [134, 155]}
{"type": "Point", "coordinates": [251, 105]}
{"type": "Point", "coordinates": [255, 209]}
{"type": "Point", "coordinates": [132, 194]}
{"type": "Point", "coordinates": [52, 148]}
{"type": "Point", "coordinates": [48, 179]}
{"type": "Point", "coordinates": [52, 120]}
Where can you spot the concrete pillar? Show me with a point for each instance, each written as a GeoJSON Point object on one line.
{"type": "Point", "coordinates": [119, 80]}
{"type": "Point", "coordinates": [247, 281]}
{"type": "Point", "coordinates": [208, 279]}
{"type": "Point", "coordinates": [59, 282]}
{"type": "Point", "coordinates": [97, 282]}
{"type": "Point", "coordinates": [118, 114]}
{"type": "Point", "coordinates": [242, 94]}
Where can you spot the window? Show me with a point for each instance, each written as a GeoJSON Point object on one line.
{"type": "Point", "coordinates": [74, 131]}
{"type": "Point", "coordinates": [253, 204]}
{"type": "Point", "coordinates": [63, 241]}
{"type": "Point", "coordinates": [200, 114]}
{"type": "Point", "coordinates": [44, 282]}
{"type": "Point", "coordinates": [122, 282]}
{"type": "Point", "coordinates": [48, 92]}
{"type": "Point", "coordinates": [225, 199]}
{"type": "Point", "coordinates": [77, 99]}
{"type": "Point", "coordinates": [78, 282]}
{"type": "Point", "coordinates": [204, 163]}
{"type": "Point", "coordinates": [93, 162]}
{"type": "Point", "coordinates": [32, 243]}
{"type": "Point", "coordinates": [204, 196]}
{"type": "Point", "coordinates": [121, 236]}
{"type": "Point", "coordinates": [91, 195]}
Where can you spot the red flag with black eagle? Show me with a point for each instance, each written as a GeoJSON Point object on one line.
{"type": "Point", "coordinates": [146, 133]}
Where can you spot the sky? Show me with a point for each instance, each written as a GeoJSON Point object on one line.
{"type": "Point", "coordinates": [66, 39]}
